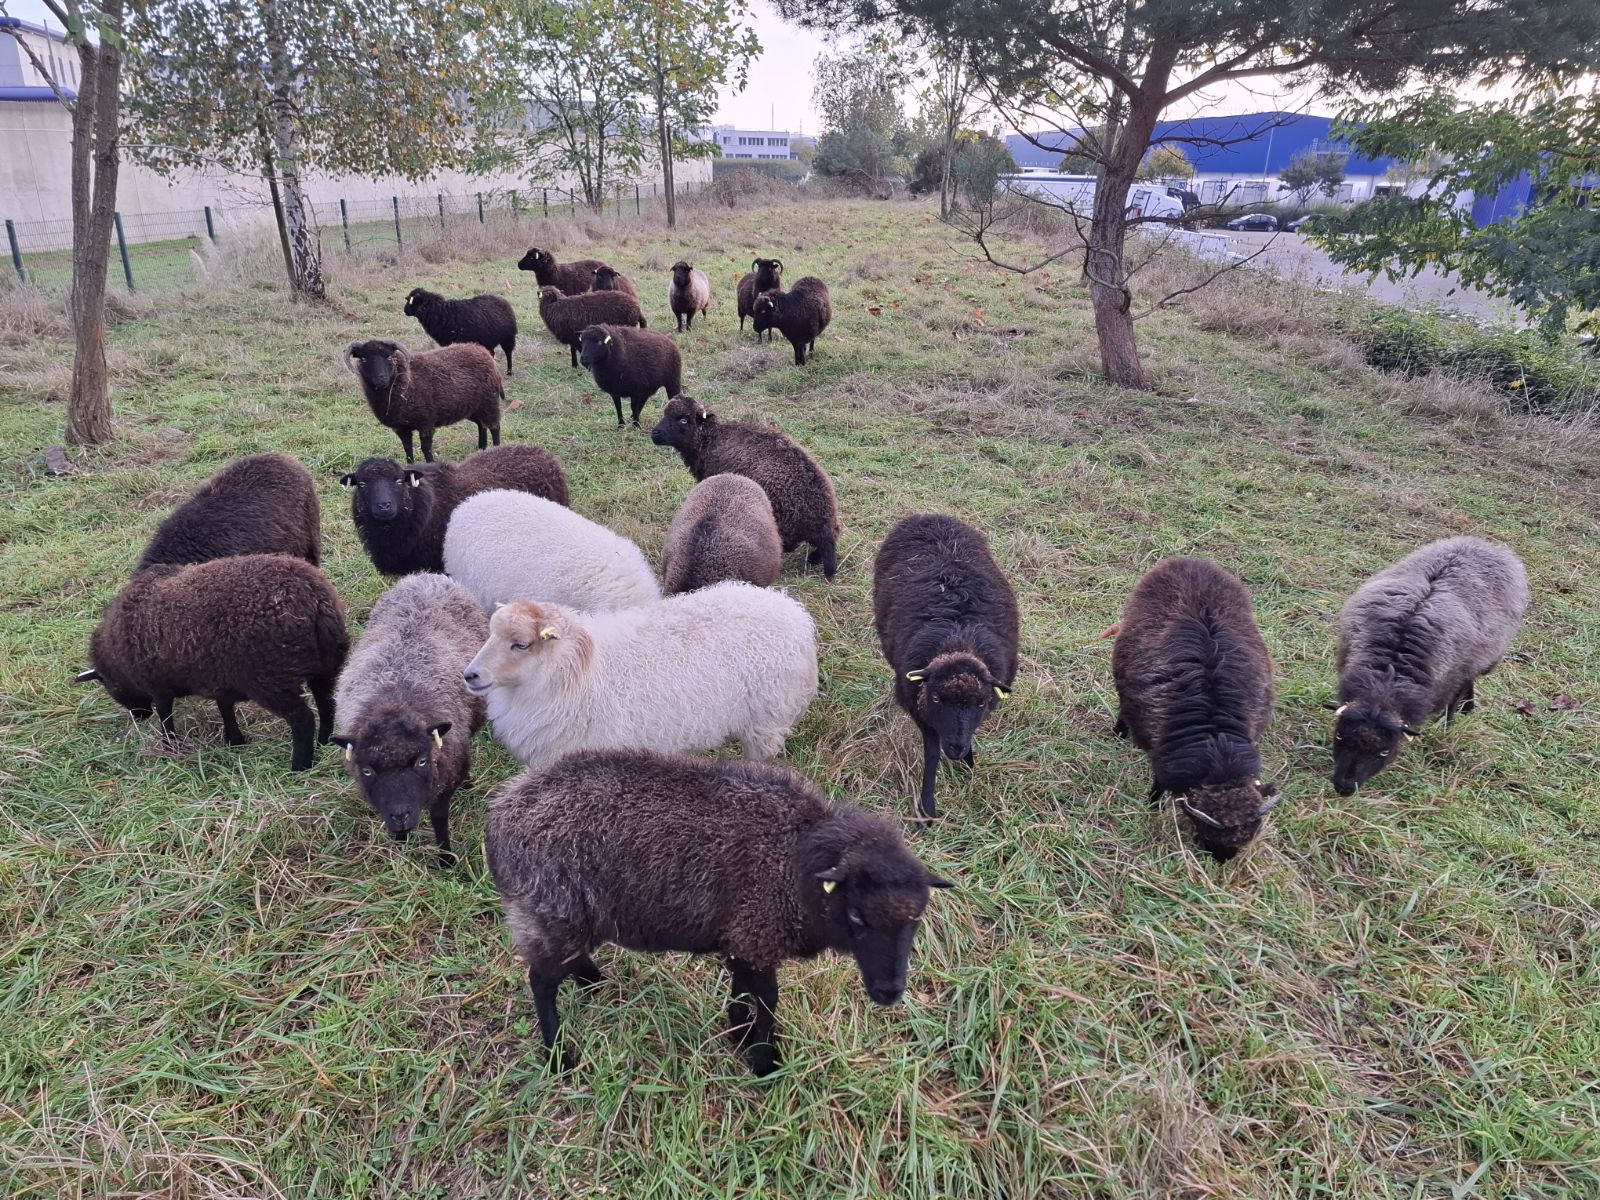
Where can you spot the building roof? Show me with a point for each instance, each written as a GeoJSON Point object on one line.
{"type": "Point", "coordinates": [35, 95]}
{"type": "Point", "coordinates": [1249, 144]}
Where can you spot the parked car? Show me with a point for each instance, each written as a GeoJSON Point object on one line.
{"type": "Point", "coordinates": [1300, 224]}
{"type": "Point", "coordinates": [1259, 222]}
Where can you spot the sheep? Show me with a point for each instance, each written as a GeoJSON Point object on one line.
{"type": "Point", "coordinates": [662, 853]}
{"type": "Point", "coordinates": [417, 393]}
{"type": "Point", "coordinates": [262, 504]}
{"type": "Point", "coordinates": [406, 720]}
{"type": "Point", "coordinates": [800, 314]}
{"type": "Point", "coordinates": [568, 316]}
{"type": "Point", "coordinates": [801, 492]}
{"type": "Point", "coordinates": [725, 530]}
{"type": "Point", "coordinates": [685, 673]}
{"type": "Point", "coordinates": [401, 512]}
{"type": "Point", "coordinates": [487, 320]}
{"type": "Point", "coordinates": [609, 279]}
{"type": "Point", "coordinates": [572, 278]}
{"type": "Point", "coordinates": [764, 275]}
{"type": "Point", "coordinates": [1194, 684]}
{"type": "Point", "coordinates": [947, 621]}
{"type": "Point", "coordinates": [632, 363]}
{"type": "Point", "coordinates": [689, 293]}
{"type": "Point", "coordinates": [505, 545]}
{"type": "Point", "coordinates": [253, 627]}
{"type": "Point", "coordinates": [1413, 641]}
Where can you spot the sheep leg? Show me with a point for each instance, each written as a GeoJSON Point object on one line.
{"type": "Point", "coordinates": [302, 726]}
{"type": "Point", "coordinates": [586, 972]}
{"type": "Point", "coordinates": [1155, 794]}
{"type": "Point", "coordinates": [427, 443]}
{"type": "Point", "coordinates": [494, 432]}
{"type": "Point", "coordinates": [826, 553]}
{"type": "Point", "coordinates": [405, 440]}
{"type": "Point", "coordinates": [322, 693]}
{"type": "Point", "coordinates": [230, 723]}
{"type": "Point", "coordinates": [509, 347]}
{"type": "Point", "coordinates": [799, 354]}
{"type": "Point", "coordinates": [439, 814]}
{"type": "Point", "coordinates": [483, 435]}
{"type": "Point", "coordinates": [680, 321]}
{"type": "Point", "coordinates": [1120, 729]}
{"type": "Point", "coordinates": [1463, 702]}
{"type": "Point", "coordinates": [573, 346]}
{"type": "Point", "coordinates": [545, 982]}
{"type": "Point", "coordinates": [617, 400]}
{"type": "Point", "coordinates": [163, 709]}
{"type": "Point", "coordinates": [638, 404]}
{"type": "Point", "coordinates": [930, 772]}
{"type": "Point", "coordinates": [758, 1038]}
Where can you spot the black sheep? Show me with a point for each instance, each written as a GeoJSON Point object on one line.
{"type": "Point", "coordinates": [764, 275]}
{"type": "Point", "coordinates": [632, 363]}
{"type": "Point", "coordinates": [1194, 684]}
{"type": "Point", "coordinates": [401, 512]}
{"type": "Point", "coordinates": [800, 314]}
{"type": "Point", "coordinates": [662, 853]}
{"type": "Point", "coordinates": [485, 320]}
{"type": "Point", "coordinates": [609, 279]}
{"type": "Point", "coordinates": [417, 393]}
{"type": "Point", "coordinates": [568, 316]}
{"type": "Point", "coordinates": [262, 504]}
{"type": "Point", "coordinates": [947, 620]}
{"type": "Point", "coordinates": [573, 278]}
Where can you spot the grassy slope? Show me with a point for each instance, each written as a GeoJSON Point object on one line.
{"type": "Point", "coordinates": [221, 979]}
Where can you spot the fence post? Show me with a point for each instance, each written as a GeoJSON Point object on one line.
{"type": "Point", "coordinates": [441, 210]}
{"type": "Point", "coordinates": [211, 226]}
{"type": "Point", "coordinates": [636, 199]}
{"type": "Point", "coordinates": [544, 195]}
{"type": "Point", "coordinates": [122, 245]}
{"type": "Point", "coordinates": [398, 240]}
{"type": "Point", "coordinates": [16, 251]}
{"type": "Point", "coordinates": [480, 208]}
{"type": "Point", "coordinates": [344, 219]}
{"type": "Point", "coordinates": [516, 215]}
{"type": "Point", "coordinates": [572, 203]}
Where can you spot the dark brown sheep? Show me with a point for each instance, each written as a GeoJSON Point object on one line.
{"type": "Point", "coordinates": [488, 321]}
{"type": "Point", "coordinates": [401, 512]}
{"type": "Point", "coordinates": [764, 275]}
{"type": "Point", "coordinates": [688, 293]}
{"type": "Point", "coordinates": [609, 279]}
{"type": "Point", "coordinates": [632, 363]}
{"type": "Point", "coordinates": [947, 620]}
{"type": "Point", "coordinates": [568, 316]}
{"type": "Point", "coordinates": [257, 627]}
{"type": "Point", "coordinates": [417, 393]}
{"type": "Point", "coordinates": [1194, 683]}
{"type": "Point", "coordinates": [662, 853]}
{"type": "Point", "coordinates": [800, 490]}
{"type": "Point", "coordinates": [800, 314]}
{"type": "Point", "coordinates": [571, 278]}
{"type": "Point", "coordinates": [263, 504]}
{"type": "Point", "coordinates": [724, 530]}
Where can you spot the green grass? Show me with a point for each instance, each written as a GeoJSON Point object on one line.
{"type": "Point", "coordinates": [221, 979]}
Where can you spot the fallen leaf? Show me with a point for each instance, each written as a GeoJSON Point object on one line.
{"type": "Point", "coordinates": [1562, 701]}
{"type": "Point", "coordinates": [1524, 707]}
{"type": "Point", "coordinates": [514, 405]}
{"type": "Point", "coordinates": [875, 309]}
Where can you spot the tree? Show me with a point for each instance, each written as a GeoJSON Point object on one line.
{"type": "Point", "coordinates": [971, 171]}
{"type": "Point", "coordinates": [1120, 64]}
{"type": "Point", "coordinates": [1314, 170]}
{"type": "Point", "coordinates": [96, 33]}
{"type": "Point", "coordinates": [282, 87]}
{"type": "Point", "coordinates": [948, 102]}
{"type": "Point", "coordinates": [858, 93]}
{"type": "Point", "coordinates": [1165, 162]}
{"type": "Point", "coordinates": [1535, 156]}
{"type": "Point", "coordinates": [679, 56]}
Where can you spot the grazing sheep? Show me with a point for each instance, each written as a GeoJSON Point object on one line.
{"type": "Point", "coordinates": [609, 279]}
{"type": "Point", "coordinates": [632, 363]}
{"type": "Point", "coordinates": [262, 504]}
{"type": "Point", "coordinates": [764, 275]}
{"type": "Point", "coordinates": [800, 491]}
{"type": "Point", "coordinates": [401, 512]}
{"type": "Point", "coordinates": [689, 293]}
{"type": "Point", "coordinates": [573, 278]}
{"type": "Point", "coordinates": [725, 530]}
{"type": "Point", "coordinates": [1194, 681]}
{"type": "Point", "coordinates": [568, 316]}
{"type": "Point", "coordinates": [256, 627]}
{"type": "Point", "coordinates": [1413, 640]}
{"type": "Point", "coordinates": [686, 673]}
{"type": "Point", "coordinates": [486, 320]}
{"type": "Point", "coordinates": [505, 545]}
{"type": "Point", "coordinates": [406, 718]}
{"type": "Point", "coordinates": [947, 620]}
{"type": "Point", "coordinates": [662, 853]}
{"type": "Point", "coordinates": [417, 393]}
{"type": "Point", "coordinates": [800, 314]}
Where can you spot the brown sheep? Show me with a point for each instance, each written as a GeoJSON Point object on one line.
{"type": "Point", "coordinates": [417, 393]}
{"type": "Point", "coordinates": [568, 316]}
{"type": "Point", "coordinates": [572, 278]}
{"type": "Point", "coordinates": [724, 530]}
{"type": "Point", "coordinates": [800, 314]}
{"type": "Point", "coordinates": [609, 279]}
{"type": "Point", "coordinates": [632, 363]}
{"type": "Point", "coordinates": [764, 275]}
{"type": "Point", "coordinates": [262, 504]}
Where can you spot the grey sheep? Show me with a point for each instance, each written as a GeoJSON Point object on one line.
{"type": "Point", "coordinates": [1413, 641]}
{"type": "Point", "coordinates": [688, 293]}
{"type": "Point", "coordinates": [487, 320]}
{"type": "Point", "coordinates": [261, 504]}
{"type": "Point", "coordinates": [800, 314]}
{"type": "Point", "coordinates": [406, 720]}
{"type": "Point", "coordinates": [724, 530]}
{"type": "Point", "coordinates": [568, 316]}
{"type": "Point", "coordinates": [632, 363]}
{"type": "Point", "coordinates": [417, 393]}
{"type": "Point", "coordinates": [764, 275]}
{"type": "Point", "coordinates": [609, 279]}
{"type": "Point", "coordinates": [662, 853]}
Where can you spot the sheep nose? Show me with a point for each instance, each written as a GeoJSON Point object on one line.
{"type": "Point", "coordinates": [1344, 789]}
{"type": "Point", "coordinates": [886, 993]}
{"type": "Point", "coordinates": [655, 436]}
{"type": "Point", "coordinates": [957, 749]}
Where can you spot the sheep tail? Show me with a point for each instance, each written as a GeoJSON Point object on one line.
{"type": "Point", "coordinates": [1112, 631]}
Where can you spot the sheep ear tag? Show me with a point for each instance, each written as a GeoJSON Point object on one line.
{"type": "Point", "coordinates": [916, 676]}
{"type": "Point", "coordinates": [438, 740]}
{"type": "Point", "coordinates": [349, 752]}
{"type": "Point", "coordinates": [1001, 691]}
{"type": "Point", "coordinates": [547, 634]}
{"type": "Point", "coordinates": [828, 885]}
{"type": "Point", "coordinates": [608, 340]}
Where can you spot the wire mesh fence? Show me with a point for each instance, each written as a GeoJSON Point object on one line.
{"type": "Point", "coordinates": [169, 251]}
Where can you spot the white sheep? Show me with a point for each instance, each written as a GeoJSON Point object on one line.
{"type": "Point", "coordinates": [504, 545]}
{"type": "Point", "coordinates": [686, 673]}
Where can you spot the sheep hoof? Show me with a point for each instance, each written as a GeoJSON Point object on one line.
{"type": "Point", "coordinates": [764, 1059]}
{"type": "Point", "coordinates": [564, 1059]}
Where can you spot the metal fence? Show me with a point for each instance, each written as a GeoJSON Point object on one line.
{"type": "Point", "coordinates": [157, 252]}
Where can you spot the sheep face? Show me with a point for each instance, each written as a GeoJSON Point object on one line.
{"type": "Point", "coordinates": [874, 903]}
{"type": "Point", "coordinates": [419, 300]}
{"type": "Point", "coordinates": [137, 703]}
{"type": "Point", "coordinates": [681, 425]}
{"type": "Point", "coordinates": [605, 279]}
{"type": "Point", "coordinates": [1366, 739]}
{"type": "Point", "coordinates": [536, 260]}
{"type": "Point", "coordinates": [955, 692]}
{"type": "Point", "coordinates": [526, 640]}
{"type": "Point", "coordinates": [549, 295]}
{"type": "Point", "coordinates": [680, 273]}
{"type": "Point", "coordinates": [381, 490]}
{"type": "Point", "coordinates": [374, 362]}
{"type": "Point", "coordinates": [768, 272]}
{"type": "Point", "coordinates": [594, 346]}
{"type": "Point", "coordinates": [1227, 816]}
{"type": "Point", "coordinates": [766, 312]}
{"type": "Point", "coordinates": [393, 761]}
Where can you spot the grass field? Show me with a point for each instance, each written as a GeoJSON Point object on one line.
{"type": "Point", "coordinates": [221, 979]}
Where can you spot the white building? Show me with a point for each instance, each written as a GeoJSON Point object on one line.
{"type": "Point", "coordinates": [755, 143]}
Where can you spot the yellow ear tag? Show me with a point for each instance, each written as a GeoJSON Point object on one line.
{"type": "Point", "coordinates": [438, 741]}
{"type": "Point", "coordinates": [828, 885]}
{"type": "Point", "coordinates": [348, 754]}
{"type": "Point", "coordinates": [915, 676]}
{"type": "Point", "coordinates": [547, 634]}
{"type": "Point", "coordinates": [1000, 692]}
{"type": "Point", "coordinates": [1339, 712]}
{"type": "Point", "coordinates": [608, 339]}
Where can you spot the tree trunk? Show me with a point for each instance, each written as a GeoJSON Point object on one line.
{"type": "Point", "coordinates": [305, 267]}
{"type": "Point", "coordinates": [270, 173]}
{"type": "Point", "coordinates": [96, 126]}
{"type": "Point", "coordinates": [1108, 235]}
{"type": "Point", "coordinates": [952, 118]}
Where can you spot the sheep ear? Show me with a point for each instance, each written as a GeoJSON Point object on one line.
{"type": "Point", "coordinates": [437, 732]}
{"type": "Point", "coordinates": [88, 676]}
{"type": "Point", "coordinates": [1334, 705]}
{"type": "Point", "coordinates": [1199, 815]}
{"type": "Point", "coordinates": [347, 481]}
{"type": "Point", "coordinates": [916, 676]}
{"type": "Point", "coordinates": [939, 881]}
{"type": "Point", "coordinates": [549, 634]}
